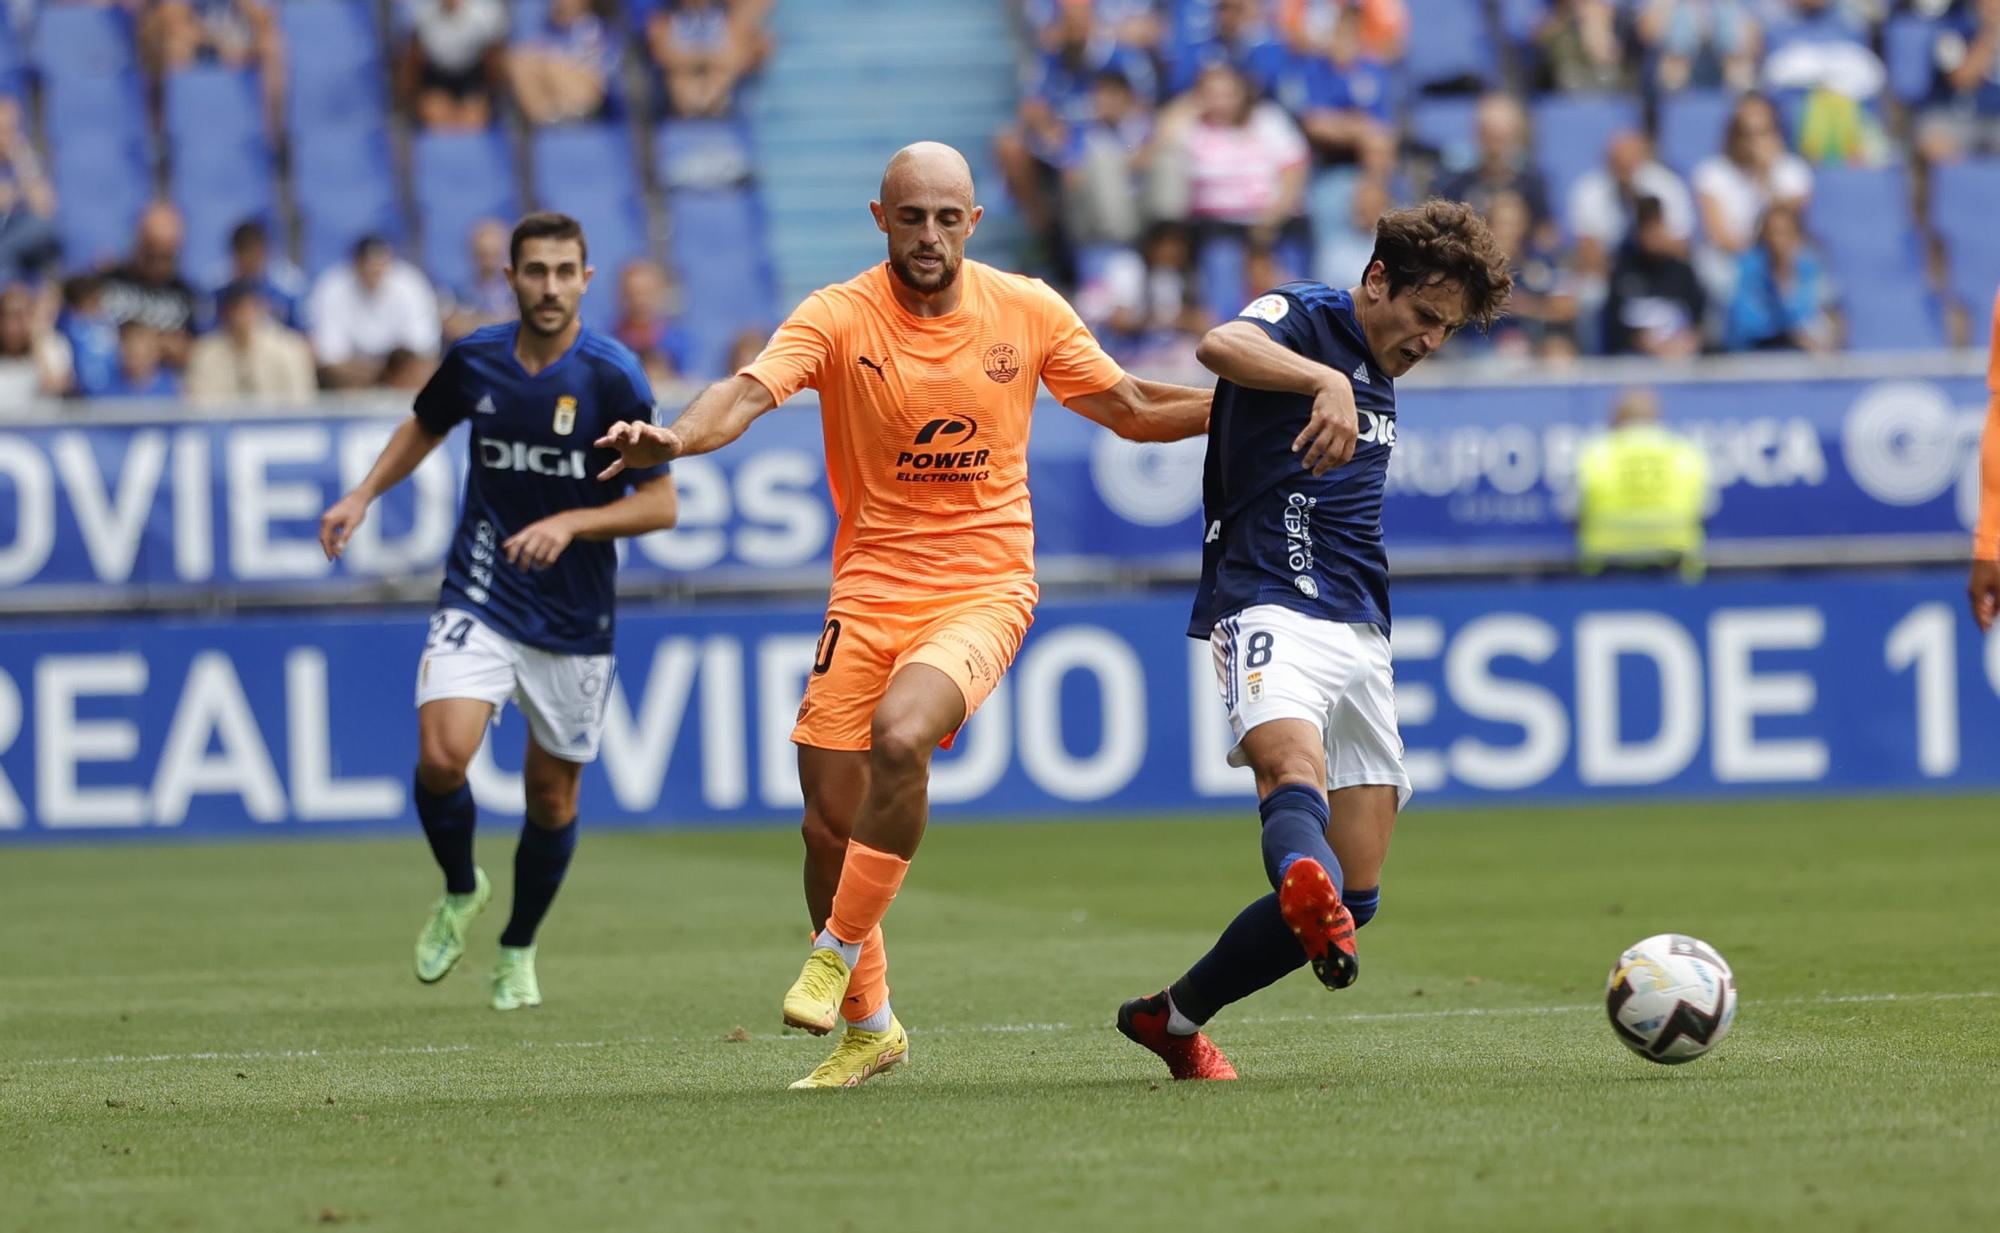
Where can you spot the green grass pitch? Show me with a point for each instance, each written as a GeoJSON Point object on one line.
{"type": "Point", "coordinates": [228, 1037]}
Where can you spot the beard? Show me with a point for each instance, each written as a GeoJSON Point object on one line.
{"type": "Point", "coordinates": [924, 284]}
{"type": "Point", "coordinates": [528, 322]}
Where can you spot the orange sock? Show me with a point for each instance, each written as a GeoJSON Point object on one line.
{"type": "Point", "coordinates": [869, 880]}
{"type": "Point", "coordinates": [868, 988]}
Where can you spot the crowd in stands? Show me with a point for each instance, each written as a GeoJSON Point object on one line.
{"type": "Point", "coordinates": [138, 312]}
{"type": "Point", "coordinates": [1673, 177]}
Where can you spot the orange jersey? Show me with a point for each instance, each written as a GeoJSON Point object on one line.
{"type": "Point", "coordinates": [926, 423]}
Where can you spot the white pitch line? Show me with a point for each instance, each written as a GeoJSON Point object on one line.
{"type": "Point", "coordinates": [1467, 1012]}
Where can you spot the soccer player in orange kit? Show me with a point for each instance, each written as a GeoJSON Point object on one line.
{"type": "Point", "coordinates": [926, 367]}
{"type": "Point", "coordinates": [1984, 585]}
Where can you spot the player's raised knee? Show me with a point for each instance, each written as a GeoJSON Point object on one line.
{"type": "Point", "coordinates": [900, 744]}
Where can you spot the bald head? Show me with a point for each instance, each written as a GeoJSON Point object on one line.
{"type": "Point", "coordinates": [927, 169]}
{"type": "Point", "coordinates": [926, 211]}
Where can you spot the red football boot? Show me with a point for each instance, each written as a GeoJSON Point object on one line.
{"type": "Point", "coordinates": [1144, 1021]}
{"type": "Point", "coordinates": [1312, 907]}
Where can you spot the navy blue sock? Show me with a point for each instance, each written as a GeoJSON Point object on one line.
{"type": "Point", "coordinates": [540, 861]}
{"type": "Point", "coordinates": [448, 820]}
{"type": "Point", "coordinates": [1361, 904]}
{"type": "Point", "coordinates": [1255, 951]}
{"type": "Point", "coordinates": [1295, 821]}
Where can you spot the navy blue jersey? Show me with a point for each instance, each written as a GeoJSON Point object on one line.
{"type": "Point", "coordinates": [1276, 534]}
{"type": "Point", "coordinates": [532, 457]}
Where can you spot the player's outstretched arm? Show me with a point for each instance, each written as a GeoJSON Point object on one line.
{"type": "Point", "coordinates": [410, 445]}
{"type": "Point", "coordinates": [719, 415]}
{"type": "Point", "coordinates": [651, 506]}
{"type": "Point", "coordinates": [1148, 410]}
{"type": "Point", "coordinates": [1243, 353]}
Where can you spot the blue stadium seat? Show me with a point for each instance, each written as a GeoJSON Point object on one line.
{"type": "Point", "coordinates": [1861, 217]}
{"type": "Point", "coordinates": [13, 74]}
{"type": "Point", "coordinates": [1453, 46]}
{"type": "Point", "coordinates": [1908, 44]}
{"type": "Point", "coordinates": [702, 154]}
{"type": "Point", "coordinates": [1691, 127]}
{"type": "Point", "coordinates": [89, 104]}
{"type": "Point", "coordinates": [1447, 126]}
{"type": "Point", "coordinates": [459, 179]}
{"type": "Point", "coordinates": [718, 251]}
{"type": "Point", "coordinates": [589, 173]}
{"type": "Point", "coordinates": [220, 156]}
{"type": "Point", "coordinates": [1890, 316]}
{"type": "Point", "coordinates": [344, 189]}
{"type": "Point", "coordinates": [84, 40]}
{"type": "Point", "coordinates": [1520, 19]}
{"type": "Point", "coordinates": [1219, 268]}
{"type": "Point", "coordinates": [1571, 132]}
{"type": "Point", "coordinates": [335, 64]}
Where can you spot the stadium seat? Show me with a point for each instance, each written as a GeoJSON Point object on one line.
{"type": "Point", "coordinates": [1962, 197]}
{"type": "Point", "coordinates": [1520, 19]}
{"type": "Point", "coordinates": [344, 188]}
{"type": "Point", "coordinates": [1455, 49]}
{"type": "Point", "coordinates": [459, 179]}
{"type": "Point", "coordinates": [1691, 127]}
{"type": "Point", "coordinates": [1219, 269]}
{"type": "Point", "coordinates": [588, 173]}
{"type": "Point", "coordinates": [13, 75]}
{"type": "Point", "coordinates": [335, 59]}
{"type": "Point", "coordinates": [1891, 316]}
{"type": "Point", "coordinates": [718, 251]}
{"type": "Point", "coordinates": [220, 158]}
{"type": "Point", "coordinates": [1447, 126]}
{"type": "Point", "coordinates": [84, 40]}
{"type": "Point", "coordinates": [1908, 48]}
{"type": "Point", "coordinates": [1571, 132]}
{"type": "Point", "coordinates": [1861, 217]}
{"type": "Point", "coordinates": [702, 154]}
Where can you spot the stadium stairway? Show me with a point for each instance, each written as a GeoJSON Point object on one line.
{"type": "Point", "coordinates": [848, 85]}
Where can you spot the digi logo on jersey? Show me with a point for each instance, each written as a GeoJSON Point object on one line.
{"type": "Point", "coordinates": [1377, 429]}
{"type": "Point", "coordinates": [938, 456]}
{"type": "Point", "coordinates": [550, 460]}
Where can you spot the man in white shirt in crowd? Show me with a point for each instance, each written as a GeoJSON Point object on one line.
{"type": "Point", "coordinates": [366, 309]}
{"type": "Point", "coordinates": [251, 358]}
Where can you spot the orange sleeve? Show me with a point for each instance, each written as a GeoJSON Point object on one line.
{"type": "Point", "coordinates": [1986, 539]}
{"type": "Point", "coordinates": [1993, 350]}
{"type": "Point", "coordinates": [1074, 365]}
{"type": "Point", "coordinates": [798, 353]}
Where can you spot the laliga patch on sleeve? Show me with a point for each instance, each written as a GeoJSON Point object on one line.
{"type": "Point", "coordinates": [1271, 308]}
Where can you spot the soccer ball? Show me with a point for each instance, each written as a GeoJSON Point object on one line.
{"type": "Point", "coordinates": [1671, 998]}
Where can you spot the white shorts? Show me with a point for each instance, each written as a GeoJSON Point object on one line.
{"type": "Point", "coordinates": [562, 695]}
{"type": "Point", "coordinates": [1274, 663]}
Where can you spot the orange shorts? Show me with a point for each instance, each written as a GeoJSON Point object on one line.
{"type": "Point", "coordinates": [970, 638]}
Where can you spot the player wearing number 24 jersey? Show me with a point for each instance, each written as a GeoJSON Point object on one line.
{"type": "Point", "coordinates": [1294, 600]}
{"type": "Point", "coordinates": [927, 368]}
{"type": "Point", "coordinates": [525, 614]}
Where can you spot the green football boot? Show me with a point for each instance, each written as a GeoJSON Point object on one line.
{"type": "Point", "coordinates": [514, 984]}
{"type": "Point", "coordinates": [442, 943]}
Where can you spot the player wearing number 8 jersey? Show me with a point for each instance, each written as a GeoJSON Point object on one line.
{"type": "Point", "coordinates": [1294, 599]}
{"type": "Point", "coordinates": [927, 368]}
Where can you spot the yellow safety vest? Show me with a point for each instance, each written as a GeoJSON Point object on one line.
{"type": "Point", "coordinates": [1642, 493]}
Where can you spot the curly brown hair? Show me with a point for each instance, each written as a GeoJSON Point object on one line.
{"type": "Point", "coordinates": [1444, 241]}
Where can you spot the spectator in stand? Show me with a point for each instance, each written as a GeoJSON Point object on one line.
{"type": "Point", "coordinates": [91, 334]}
{"type": "Point", "coordinates": [1541, 314]}
{"type": "Point", "coordinates": [1656, 303]}
{"type": "Point", "coordinates": [1342, 252]}
{"type": "Point", "coordinates": [749, 344]}
{"type": "Point", "coordinates": [1141, 303]}
{"type": "Point", "coordinates": [1246, 164]}
{"type": "Point", "coordinates": [1733, 189]}
{"type": "Point", "coordinates": [1701, 43]}
{"type": "Point", "coordinates": [150, 290]}
{"type": "Point", "coordinates": [1057, 105]}
{"type": "Point", "coordinates": [1240, 36]}
{"type": "Point", "coordinates": [1504, 165]}
{"type": "Point", "coordinates": [1105, 189]}
{"type": "Point", "coordinates": [1131, 23]}
{"type": "Point", "coordinates": [562, 71]}
{"type": "Point", "coordinates": [1375, 30]}
{"type": "Point", "coordinates": [28, 239]}
{"type": "Point", "coordinates": [407, 370]}
{"type": "Point", "coordinates": [1820, 63]}
{"type": "Point", "coordinates": [1602, 203]}
{"type": "Point", "coordinates": [1963, 115]}
{"type": "Point", "coordinates": [1347, 73]}
{"type": "Point", "coordinates": [1783, 301]}
{"type": "Point", "coordinates": [454, 57]}
{"type": "Point", "coordinates": [644, 323]}
{"type": "Point", "coordinates": [1579, 48]}
{"type": "Point", "coordinates": [282, 284]}
{"type": "Point", "coordinates": [241, 34]}
{"type": "Point", "coordinates": [366, 309]}
{"type": "Point", "coordinates": [488, 298]}
{"type": "Point", "coordinates": [141, 371]}
{"type": "Point", "coordinates": [702, 51]}
{"type": "Point", "coordinates": [34, 359]}
{"type": "Point", "coordinates": [250, 357]}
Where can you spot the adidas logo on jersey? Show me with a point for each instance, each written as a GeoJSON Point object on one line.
{"type": "Point", "coordinates": [1361, 373]}
{"type": "Point", "coordinates": [486, 406]}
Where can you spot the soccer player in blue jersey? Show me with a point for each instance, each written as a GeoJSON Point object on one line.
{"type": "Point", "coordinates": [526, 609]}
{"type": "Point", "coordinates": [1294, 599]}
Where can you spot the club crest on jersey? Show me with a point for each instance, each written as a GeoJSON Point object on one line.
{"type": "Point", "coordinates": [1271, 308]}
{"type": "Point", "coordinates": [565, 415]}
{"type": "Point", "coordinates": [1003, 363]}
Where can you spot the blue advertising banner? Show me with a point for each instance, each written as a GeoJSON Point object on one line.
{"type": "Point", "coordinates": [1479, 472]}
{"type": "Point", "coordinates": [128, 727]}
